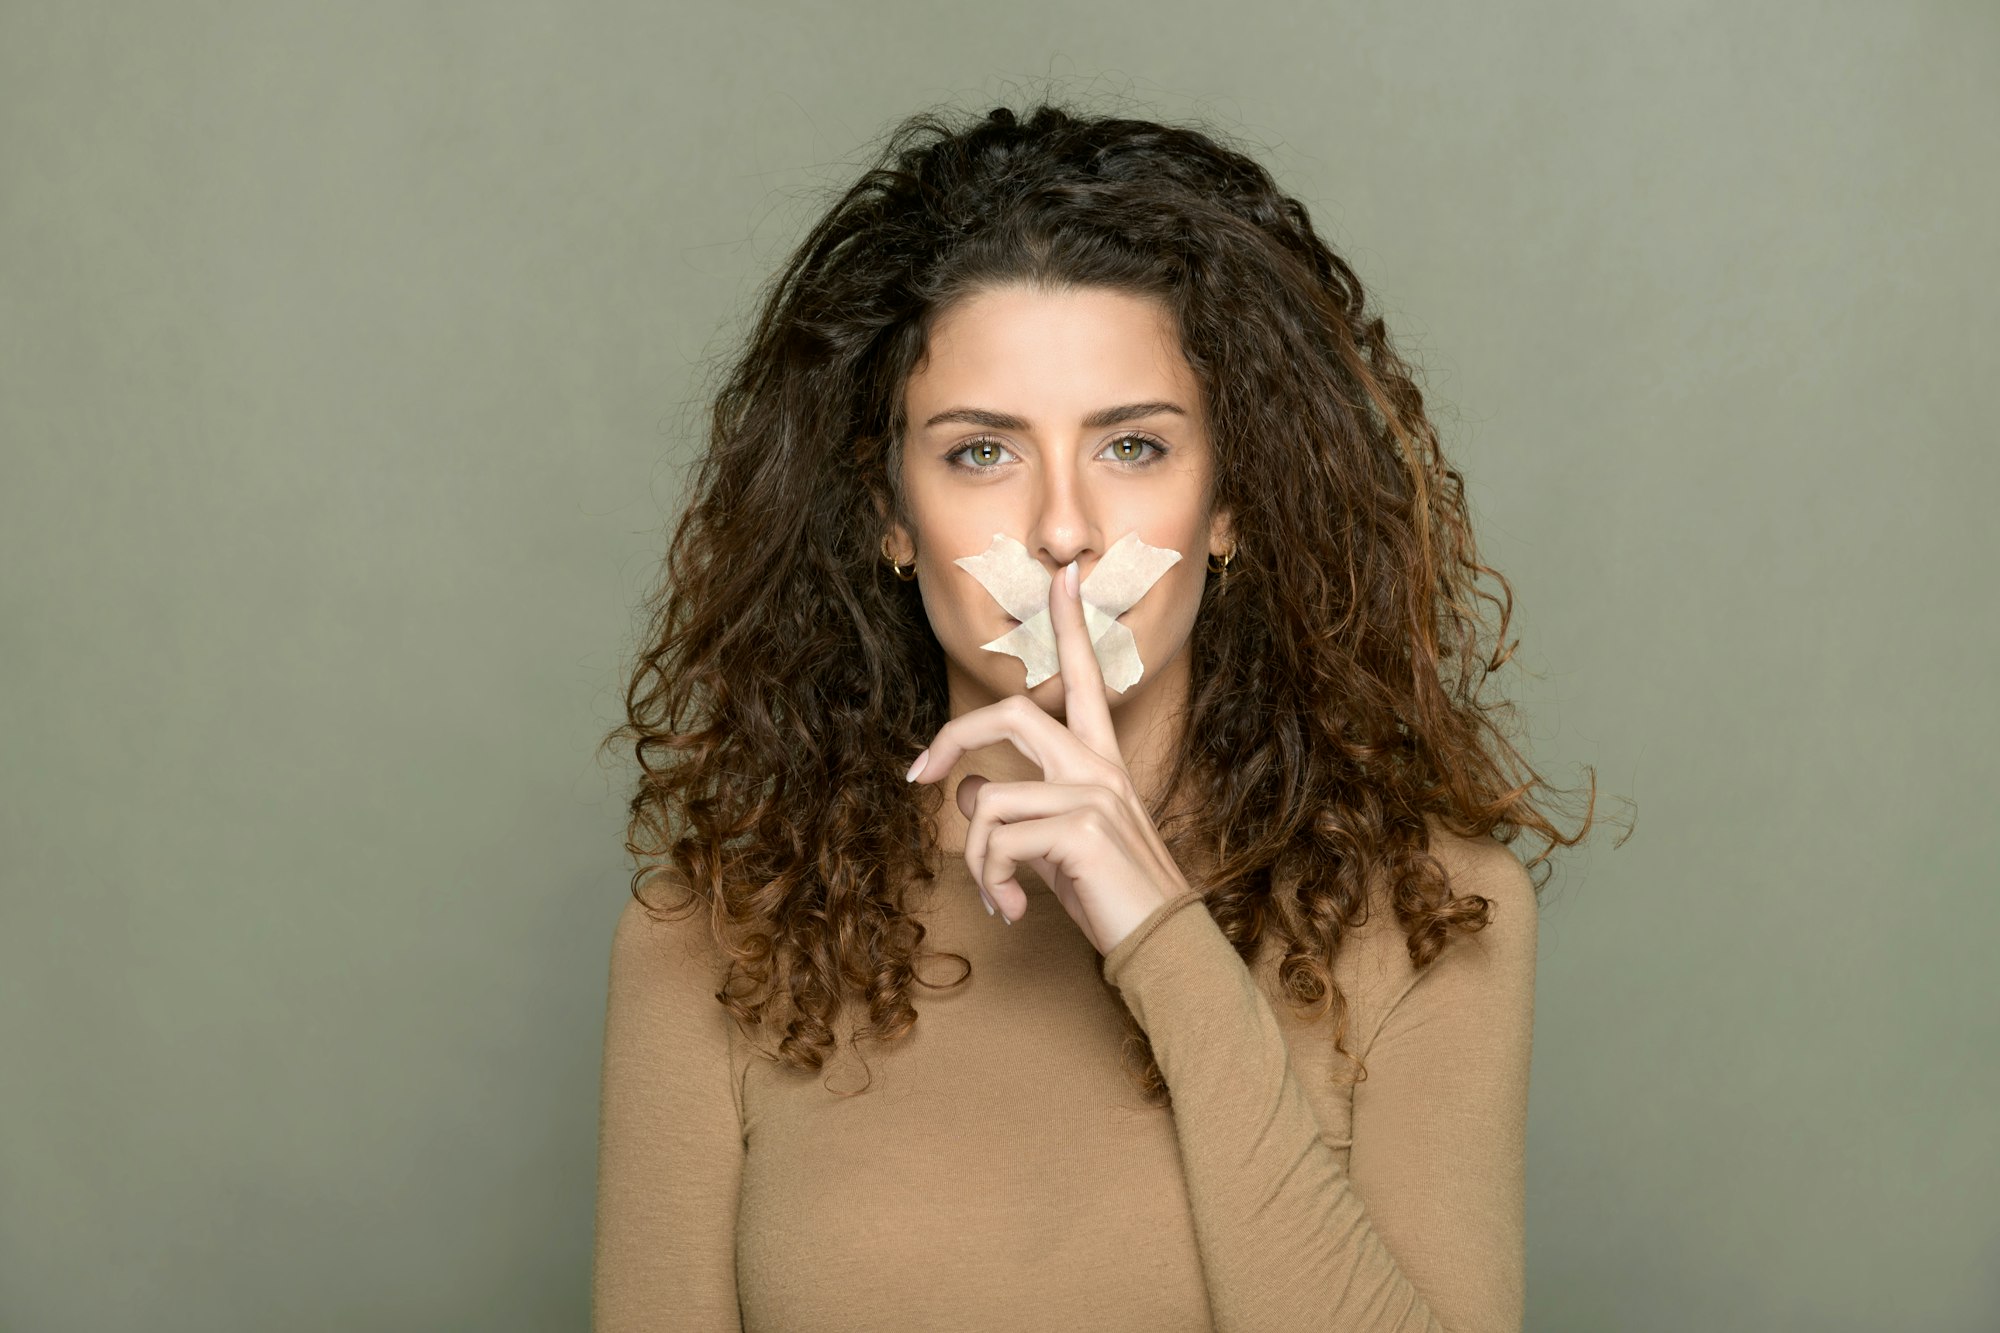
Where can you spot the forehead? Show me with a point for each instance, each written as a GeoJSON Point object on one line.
{"type": "Point", "coordinates": [1051, 356]}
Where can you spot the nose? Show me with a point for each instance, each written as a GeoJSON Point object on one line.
{"type": "Point", "coordinates": [1063, 528]}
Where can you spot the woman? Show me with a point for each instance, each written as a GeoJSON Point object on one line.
{"type": "Point", "coordinates": [1227, 809]}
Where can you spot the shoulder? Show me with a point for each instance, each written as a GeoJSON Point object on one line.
{"type": "Point", "coordinates": [1483, 867]}
{"type": "Point", "coordinates": [1488, 868]}
{"type": "Point", "coordinates": [1494, 966]}
{"type": "Point", "coordinates": [1478, 969]}
{"type": "Point", "coordinates": [669, 1073]}
{"type": "Point", "coordinates": [662, 949]}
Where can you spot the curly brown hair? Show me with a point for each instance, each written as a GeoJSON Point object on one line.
{"type": "Point", "coordinates": [788, 675]}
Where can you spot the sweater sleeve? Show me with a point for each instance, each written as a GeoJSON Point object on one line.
{"type": "Point", "coordinates": [670, 1144]}
{"type": "Point", "coordinates": [1438, 1137]}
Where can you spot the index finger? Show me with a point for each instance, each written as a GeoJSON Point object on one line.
{"type": "Point", "coordinates": [1085, 710]}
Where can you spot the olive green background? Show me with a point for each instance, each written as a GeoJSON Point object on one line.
{"type": "Point", "coordinates": [349, 359]}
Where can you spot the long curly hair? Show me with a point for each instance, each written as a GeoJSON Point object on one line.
{"type": "Point", "coordinates": [788, 675]}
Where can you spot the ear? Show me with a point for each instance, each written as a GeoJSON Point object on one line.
{"type": "Point", "coordinates": [898, 536]}
{"type": "Point", "coordinates": [1221, 532]}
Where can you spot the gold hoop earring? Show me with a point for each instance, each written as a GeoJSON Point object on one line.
{"type": "Point", "coordinates": [907, 578]}
{"type": "Point", "coordinates": [1222, 568]}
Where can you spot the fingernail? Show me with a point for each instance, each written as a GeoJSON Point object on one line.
{"type": "Point", "coordinates": [988, 901]}
{"type": "Point", "coordinates": [1069, 577]}
{"type": "Point", "coordinates": [917, 767]}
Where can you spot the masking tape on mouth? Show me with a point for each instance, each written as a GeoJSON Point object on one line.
{"type": "Point", "coordinates": [1020, 584]}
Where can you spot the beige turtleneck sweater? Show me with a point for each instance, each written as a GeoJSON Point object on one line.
{"type": "Point", "coordinates": [1002, 1172]}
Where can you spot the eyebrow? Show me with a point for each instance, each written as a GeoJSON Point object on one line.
{"type": "Point", "coordinates": [1108, 416]}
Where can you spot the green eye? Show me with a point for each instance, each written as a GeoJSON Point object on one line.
{"type": "Point", "coordinates": [1137, 459]}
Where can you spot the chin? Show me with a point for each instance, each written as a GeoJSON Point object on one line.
{"type": "Point", "coordinates": [1053, 688]}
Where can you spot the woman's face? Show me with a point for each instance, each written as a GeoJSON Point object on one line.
{"type": "Point", "coordinates": [1006, 433]}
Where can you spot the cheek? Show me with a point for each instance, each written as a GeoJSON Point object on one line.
{"type": "Point", "coordinates": [1176, 599]}
{"type": "Point", "coordinates": [1183, 580]}
{"type": "Point", "coordinates": [956, 617]}
{"type": "Point", "coordinates": [938, 609]}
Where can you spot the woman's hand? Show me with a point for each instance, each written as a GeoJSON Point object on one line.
{"type": "Point", "coordinates": [1082, 828]}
